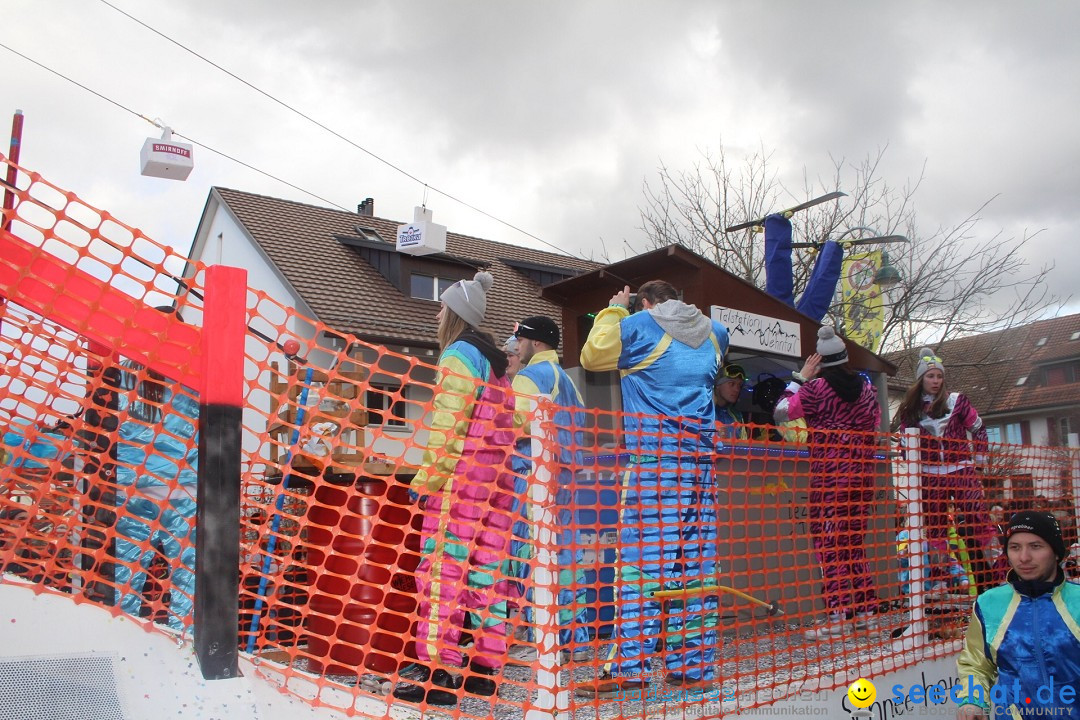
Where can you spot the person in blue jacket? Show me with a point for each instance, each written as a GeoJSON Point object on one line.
{"type": "Point", "coordinates": [541, 377]}
{"type": "Point", "coordinates": [669, 355]}
{"type": "Point", "coordinates": [156, 473]}
{"type": "Point", "coordinates": [1021, 657]}
{"type": "Point", "coordinates": [730, 422]}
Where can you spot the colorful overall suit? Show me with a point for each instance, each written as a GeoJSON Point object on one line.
{"type": "Point", "coordinates": [669, 518]}
{"type": "Point", "coordinates": [157, 469]}
{"type": "Point", "coordinates": [544, 378]}
{"type": "Point", "coordinates": [942, 571]}
{"type": "Point", "coordinates": [1034, 642]}
{"type": "Point", "coordinates": [947, 459]}
{"type": "Point", "coordinates": [841, 485]}
{"type": "Point", "coordinates": [730, 423]}
{"type": "Point", "coordinates": [468, 503]}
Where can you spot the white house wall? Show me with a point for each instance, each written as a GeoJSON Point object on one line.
{"type": "Point", "coordinates": [225, 241]}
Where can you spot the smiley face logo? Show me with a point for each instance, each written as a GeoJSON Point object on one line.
{"type": "Point", "coordinates": [861, 693]}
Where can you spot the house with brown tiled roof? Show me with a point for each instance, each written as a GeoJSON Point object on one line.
{"type": "Point", "coordinates": [1024, 381]}
{"type": "Point", "coordinates": [343, 269]}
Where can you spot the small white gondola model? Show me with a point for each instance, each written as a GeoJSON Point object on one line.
{"type": "Point", "coordinates": [165, 158]}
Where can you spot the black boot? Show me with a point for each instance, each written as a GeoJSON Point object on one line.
{"type": "Point", "coordinates": [440, 678]}
{"type": "Point", "coordinates": [482, 686]}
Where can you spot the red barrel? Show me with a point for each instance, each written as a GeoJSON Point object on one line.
{"type": "Point", "coordinates": [363, 595]}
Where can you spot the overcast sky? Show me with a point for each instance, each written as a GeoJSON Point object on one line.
{"type": "Point", "coordinates": [550, 115]}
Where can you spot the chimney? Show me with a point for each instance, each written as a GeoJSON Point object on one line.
{"type": "Point", "coordinates": [367, 207]}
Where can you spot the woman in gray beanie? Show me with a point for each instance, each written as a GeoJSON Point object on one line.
{"type": "Point", "coordinates": [952, 441]}
{"type": "Point", "coordinates": [467, 506]}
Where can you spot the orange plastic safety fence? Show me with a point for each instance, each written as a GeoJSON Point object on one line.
{"type": "Point", "coordinates": [411, 536]}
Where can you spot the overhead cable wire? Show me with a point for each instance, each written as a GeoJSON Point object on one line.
{"type": "Point", "coordinates": [335, 133]}
{"type": "Point", "coordinates": [155, 123]}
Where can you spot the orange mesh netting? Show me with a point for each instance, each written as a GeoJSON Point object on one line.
{"type": "Point", "coordinates": [518, 558]}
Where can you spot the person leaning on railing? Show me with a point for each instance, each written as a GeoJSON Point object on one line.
{"type": "Point", "coordinates": [947, 461]}
{"type": "Point", "coordinates": [841, 410]}
{"type": "Point", "coordinates": [1022, 650]}
{"type": "Point", "coordinates": [467, 503]}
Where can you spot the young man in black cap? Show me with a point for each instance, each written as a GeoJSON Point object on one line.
{"type": "Point", "coordinates": [541, 376]}
{"type": "Point", "coordinates": [1022, 653]}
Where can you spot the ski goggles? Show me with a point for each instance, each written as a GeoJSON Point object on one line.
{"type": "Point", "coordinates": [731, 371]}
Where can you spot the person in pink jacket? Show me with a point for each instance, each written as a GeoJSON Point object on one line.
{"type": "Point", "coordinates": [466, 494]}
{"type": "Point", "coordinates": [952, 442]}
{"type": "Point", "coordinates": [842, 413]}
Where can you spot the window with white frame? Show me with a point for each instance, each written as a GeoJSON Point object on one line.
{"type": "Point", "coordinates": [386, 405]}
{"type": "Point", "coordinates": [993, 433]}
{"type": "Point", "coordinates": [1014, 434]}
{"type": "Point", "coordinates": [428, 287]}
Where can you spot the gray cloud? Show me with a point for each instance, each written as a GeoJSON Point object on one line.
{"type": "Point", "coordinates": [551, 115]}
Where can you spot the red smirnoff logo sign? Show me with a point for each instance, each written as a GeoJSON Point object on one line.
{"type": "Point", "coordinates": [174, 149]}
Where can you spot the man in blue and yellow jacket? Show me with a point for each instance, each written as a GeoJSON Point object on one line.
{"type": "Point", "coordinates": [669, 356]}
{"type": "Point", "coordinates": [542, 378]}
{"type": "Point", "coordinates": [1022, 655]}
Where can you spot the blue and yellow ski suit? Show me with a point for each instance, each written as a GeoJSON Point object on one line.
{"type": "Point", "coordinates": [669, 357]}
{"type": "Point", "coordinates": [544, 378]}
{"type": "Point", "coordinates": [1018, 646]}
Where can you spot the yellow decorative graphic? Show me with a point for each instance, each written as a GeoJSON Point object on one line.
{"type": "Point", "coordinates": [863, 309]}
{"type": "Point", "coordinates": [862, 693]}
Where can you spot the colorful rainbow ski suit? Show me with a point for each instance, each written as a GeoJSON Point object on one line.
{"type": "Point", "coordinates": [468, 503]}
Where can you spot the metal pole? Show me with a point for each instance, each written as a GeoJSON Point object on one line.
{"type": "Point", "coordinates": [12, 173]}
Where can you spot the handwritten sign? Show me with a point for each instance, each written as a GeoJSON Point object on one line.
{"type": "Point", "coordinates": [759, 332]}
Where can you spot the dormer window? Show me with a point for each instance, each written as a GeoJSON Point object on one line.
{"type": "Point", "coordinates": [1061, 374]}
{"type": "Point", "coordinates": [368, 234]}
{"type": "Point", "coordinates": [424, 277]}
{"type": "Point", "coordinates": [428, 287]}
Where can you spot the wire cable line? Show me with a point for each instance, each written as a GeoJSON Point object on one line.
{"type": "Point", "coordinates": [155, 123]}
{"type": "Point", "coordinates": [335, 133]}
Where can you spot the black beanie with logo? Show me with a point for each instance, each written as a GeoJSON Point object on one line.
{"type": "Point", "coordinates": [1043, 524]}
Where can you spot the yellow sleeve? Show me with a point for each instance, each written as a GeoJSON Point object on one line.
{"type": "Point", "coordinates": [603, 347]}
{"type": "Point", "coordinates": [973, 661]}
{"type": "Point", "coordinates": [525, 394]}
{"type": "Point", "coordinates": [452, 408]}
{"type": "Point", "coordinates": [794, 431]}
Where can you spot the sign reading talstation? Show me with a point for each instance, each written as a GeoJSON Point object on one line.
{"type": "Point", "coordinates": [759, 332]}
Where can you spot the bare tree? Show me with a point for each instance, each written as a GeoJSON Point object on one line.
{"type": "Point", "coordinates": [953, 282]}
